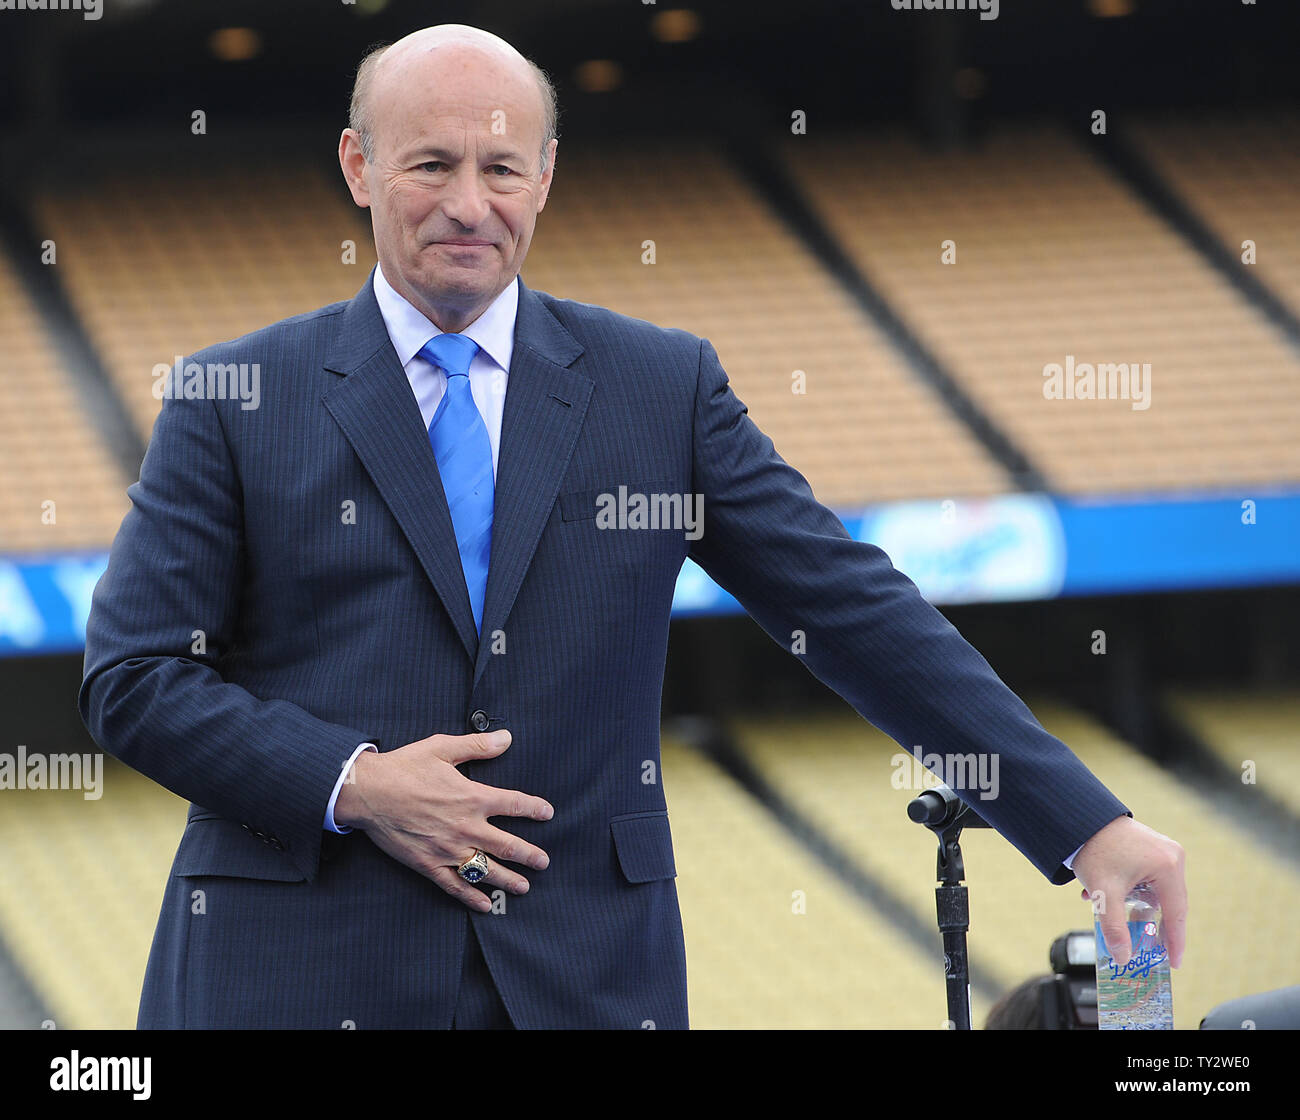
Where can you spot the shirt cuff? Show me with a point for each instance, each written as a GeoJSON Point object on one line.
{"type": "Point", "coordinates": [1068, 861]}
{"type": "Point", "coordinates": [330, 826]}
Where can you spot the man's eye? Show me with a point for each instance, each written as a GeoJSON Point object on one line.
{"type": "Point", "coordinates": [432, 165]}
{"type": "Point", "coordinates": [501, 167]}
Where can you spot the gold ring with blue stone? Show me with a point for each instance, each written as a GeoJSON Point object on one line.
{"type": "Point", "coordinates": [474, 869]}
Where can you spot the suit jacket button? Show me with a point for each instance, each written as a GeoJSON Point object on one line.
{"type": "Point", "coordinates": [479, 720]}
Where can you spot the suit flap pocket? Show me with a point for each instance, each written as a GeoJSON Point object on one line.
{"type": "Point", "coordinates": [645, 846]}
{"type": "Point", "coordinates": [216, 846]}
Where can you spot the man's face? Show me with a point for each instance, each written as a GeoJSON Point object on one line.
{"type": "Point", "coordinates": [454, 186]}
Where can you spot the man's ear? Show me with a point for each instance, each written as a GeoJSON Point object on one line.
{"type": "Point", "coordinates": [544, 187]}
{"type": "Point", "coordinates": [353, 162]}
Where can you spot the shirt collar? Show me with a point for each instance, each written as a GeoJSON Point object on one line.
{"type": "Point", "coordinates": [409, 330]}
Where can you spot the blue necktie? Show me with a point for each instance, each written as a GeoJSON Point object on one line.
{"type": "Point", "coordinates": [460, 444]}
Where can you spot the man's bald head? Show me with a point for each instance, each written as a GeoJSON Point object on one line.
{"type": "Point", "coordinates": [382, 61]}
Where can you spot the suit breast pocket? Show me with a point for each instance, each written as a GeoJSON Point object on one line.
{"type": "Point", "coordinates": [628, 502]}
{"type": "Point", "coordinates": [642, 528]}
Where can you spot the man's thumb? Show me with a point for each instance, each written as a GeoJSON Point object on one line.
{"type": "Point", "coordinates": [466, 748]}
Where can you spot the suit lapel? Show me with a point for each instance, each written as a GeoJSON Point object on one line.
{"type": "Point", "coordinates": [374, 406]}
{"type": "Point", "coordinates": [545, 405]}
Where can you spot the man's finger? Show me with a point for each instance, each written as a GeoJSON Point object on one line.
{"type": "Point", "coordinates": [512, 849]}
{"type": "Point", "coordinates": [501, 876]}
{"type": "Point", "coordinates": [455, 886]}
{"type": "Point", "coordinates": [1172, 892]}
{"type": "Point", "coordinates": [467, 748]}
{"type": "Point", "coordinates": [513, 803]}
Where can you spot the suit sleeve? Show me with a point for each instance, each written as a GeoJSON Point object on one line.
{"type": "Point", "coordinates": [871, 636]}
{"type": "Point", "coordinates": [148, 698]}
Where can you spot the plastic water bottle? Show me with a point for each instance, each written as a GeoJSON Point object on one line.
{"type": "Point", "coordinates": [1137, 997]}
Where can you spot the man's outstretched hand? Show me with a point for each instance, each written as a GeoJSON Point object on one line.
{"type": "Point", "coordinates": [415, 805]}
{"type": "Point", "coordinates": [1113, 862]}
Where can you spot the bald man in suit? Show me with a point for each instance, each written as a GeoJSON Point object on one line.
{"type": "Point", "coordinates": [415, 731]}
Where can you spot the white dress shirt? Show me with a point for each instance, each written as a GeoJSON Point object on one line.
{"type": "Point", "coordinates": [489, 372]}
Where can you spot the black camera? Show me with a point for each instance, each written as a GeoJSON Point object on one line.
{"type": "Point", "coordinates": [1065, 1000]}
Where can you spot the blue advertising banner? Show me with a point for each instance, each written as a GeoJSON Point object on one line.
{"type": "Point", "coordinates": [1039, 546]}
{"type": "Point", "coordinates": [1010, 547]}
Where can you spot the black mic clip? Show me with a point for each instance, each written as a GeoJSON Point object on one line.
{"type": "Point", "coordinates": [945, 814]}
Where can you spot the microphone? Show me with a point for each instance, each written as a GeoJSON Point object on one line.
{"type": "Point", "coordinates": [939, 807]}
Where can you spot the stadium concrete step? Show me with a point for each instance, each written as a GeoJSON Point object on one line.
{"type": "Point", "coordinates": [1058, 257]}
{"type": "Point", "coordinates": [1239, 174]}
{"type": "Point", "coordinates": [59, 485]}
{"type": "Point", "coordinates": [80, 886]}
{"type": "Point", "coordinates": [773, 940]}
{"type": "Point", "coordinates": [1259, 728]}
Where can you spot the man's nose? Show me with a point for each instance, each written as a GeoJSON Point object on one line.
{"type": "Point", "coordinates": [466, 198]}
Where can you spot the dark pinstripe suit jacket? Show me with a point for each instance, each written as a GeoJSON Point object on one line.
{"type": "Point", "coordinates": [320, 631]}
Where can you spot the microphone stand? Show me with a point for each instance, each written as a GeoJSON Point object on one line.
{"type": "Point", "coordinates": [945, 814]}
